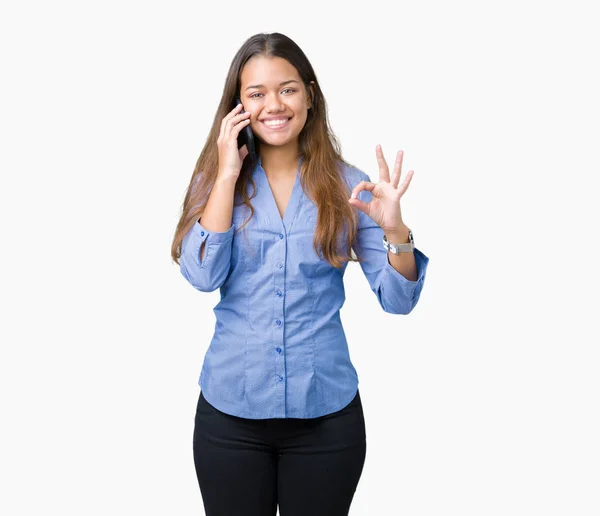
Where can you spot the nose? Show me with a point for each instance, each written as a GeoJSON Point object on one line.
{"type": "Point", "coordinates": [273, 104]}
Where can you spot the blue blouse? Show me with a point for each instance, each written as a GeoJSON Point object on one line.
{"type": "Point", "coordinates": [279, 348]}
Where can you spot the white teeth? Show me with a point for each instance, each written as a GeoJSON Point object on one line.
{"type": "Point", "coordinates": [279, 122]}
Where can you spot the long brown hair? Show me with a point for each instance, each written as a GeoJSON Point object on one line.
{"type": "Point", "coordinates": [320, 173]}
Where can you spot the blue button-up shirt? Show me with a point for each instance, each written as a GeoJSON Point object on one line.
{"type": "Point", "coordinates": [279, 348]}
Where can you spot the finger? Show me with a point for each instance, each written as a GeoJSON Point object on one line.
{"type": "Point", "coordinates": [236, 108]}
{"type": "Point", "coordinates": [231, 114]}
{"type": "Point", "coordinates": [362, 206]}
{"type": "Point", "coordinates": [404, 186]}
{"type": "Point", "coordinates": [363, 185]}
{"type": "Point", "coordinates": [238, 123]}
{"type": "Point", "coordinates": [235, 125]}
{"type": "Point", "coordinates": [397, 169]}
{"type": "Point", "coordinates": [235, 131]}
{"type": "Point", "coordinates": [227, 117]}
{"type": "Point", "coordinates": [236, 118]}
{"type": "Point", "coordinates": [239, 116]}
{"type": "Point", "coordinates": [384, 172]}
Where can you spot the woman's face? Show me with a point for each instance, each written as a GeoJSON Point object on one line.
{"type": "Point", "coordinates": [271, 89]}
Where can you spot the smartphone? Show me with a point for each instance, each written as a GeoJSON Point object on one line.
{"type": "Point", "coordinates": [246, 136]}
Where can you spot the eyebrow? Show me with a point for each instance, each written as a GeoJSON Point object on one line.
{"type": "Point", "coordinates": [280, 84]}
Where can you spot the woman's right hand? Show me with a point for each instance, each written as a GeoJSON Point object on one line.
{"type": "Point", "coordinates": [230, 157]}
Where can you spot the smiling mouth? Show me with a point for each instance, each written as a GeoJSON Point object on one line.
{"type": "Point", "coordinates": [277, 125]}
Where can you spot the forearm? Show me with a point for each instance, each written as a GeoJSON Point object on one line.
{"type": "Point", "coordinates": [219, 209]}
{"type": "Point", "coordinates": [404, 263]}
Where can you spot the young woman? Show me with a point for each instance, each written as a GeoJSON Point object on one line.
{"type": "Point", "coordinates": [279, 420]}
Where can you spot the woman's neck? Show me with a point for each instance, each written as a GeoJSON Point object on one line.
{"type": "Point", "coordinates": [279, 163]}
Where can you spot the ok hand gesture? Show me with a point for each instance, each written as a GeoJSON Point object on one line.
{"type": "Point", "coordinates": [384, 207]}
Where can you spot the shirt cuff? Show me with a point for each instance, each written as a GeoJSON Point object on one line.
{"type": "Point", "coordinates": [199, 234]}
{"type": "Point", "coordinates": [216, 237]}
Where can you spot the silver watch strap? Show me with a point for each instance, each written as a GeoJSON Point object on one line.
{"type": "Point", "coordinates": [400, 248]}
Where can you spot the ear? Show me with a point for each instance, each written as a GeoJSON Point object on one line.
{"type": "Point", "coordinates": [311, 94]}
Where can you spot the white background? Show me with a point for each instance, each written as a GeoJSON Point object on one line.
{"type": "Point", "coordinates": [483, 401]}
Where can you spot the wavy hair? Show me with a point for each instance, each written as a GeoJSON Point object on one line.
{"type": "Point", "coordinates": [321, 173]}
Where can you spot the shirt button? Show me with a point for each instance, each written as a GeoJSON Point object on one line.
{"type": "Point", "coordinates": [280, 235]}
{"type": "Point", "coordinates": [280, 265]}
{"type": "Point", "coordinates": [280, 378]}
{"type": "Point", "coordinates": [278, 322]}
{"type": "Point", "coordinates": [279, 293]}
{"type": "Point", "coordinates": [201, 233]}
{"type": "Point", "coordinates": [278, 350]}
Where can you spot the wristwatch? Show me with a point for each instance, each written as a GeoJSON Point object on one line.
{"type": "Point", "coordinates": [400, 248]}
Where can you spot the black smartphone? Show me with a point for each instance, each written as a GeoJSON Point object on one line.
{"type": "Point", "coordinates": [246, 136]}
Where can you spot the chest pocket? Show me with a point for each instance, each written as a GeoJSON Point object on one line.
{"type": "Point", "coordinates": [247, 246]}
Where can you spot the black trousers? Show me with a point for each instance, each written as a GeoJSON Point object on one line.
{"type": "Point", "coordinates": [309, 467]}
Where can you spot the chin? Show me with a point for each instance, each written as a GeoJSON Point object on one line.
{"type": "Point", "coordinates": [276, 141]}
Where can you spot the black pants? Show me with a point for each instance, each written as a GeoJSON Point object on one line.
{"type": "Point", "coordinates": [309, 467]}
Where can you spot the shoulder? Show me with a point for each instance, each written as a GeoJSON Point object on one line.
{"type": "Point", "coordinates": [352, 174]}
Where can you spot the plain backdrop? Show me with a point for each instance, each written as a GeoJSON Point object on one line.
{"type": "Point", "coordinates": [483, 401]}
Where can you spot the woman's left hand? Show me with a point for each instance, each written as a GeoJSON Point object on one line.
{"type": "Point", "coordinates": [384, 207]}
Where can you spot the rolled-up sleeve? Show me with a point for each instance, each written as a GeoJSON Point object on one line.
{"type": "Point", "coordinates": [395, 293]}
{"type": "Point", "coordinates": [210, 273]}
